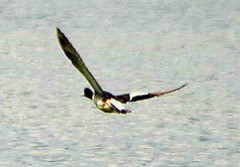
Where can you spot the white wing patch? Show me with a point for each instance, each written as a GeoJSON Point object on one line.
{"type": "Point", "coordinates": [117, 104]}
{"type": "Point", "coordinates": [132, 95]}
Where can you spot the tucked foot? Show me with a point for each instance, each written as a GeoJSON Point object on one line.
{"type": "Point", "coordinates": [125, 111]}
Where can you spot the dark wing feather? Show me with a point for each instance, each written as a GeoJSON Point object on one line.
{"type": "Point", "coordinates": [129, 98]}
{"type": "Point", "coordinates": [77, 61]}
{"type": "Point", "coordinates": [123, 98]}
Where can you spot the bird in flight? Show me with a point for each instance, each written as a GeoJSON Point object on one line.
{"type": "Point", "coordinates": [103, 100]}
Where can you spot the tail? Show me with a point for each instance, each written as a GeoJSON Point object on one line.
{"type": "Point", "coordinates": [125, 111]}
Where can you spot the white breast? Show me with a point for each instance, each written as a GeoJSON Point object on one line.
{"type": "Point", "coordinates": [117, 104]}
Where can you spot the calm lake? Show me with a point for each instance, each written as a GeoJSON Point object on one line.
{"type": "Point", "coordinates": [129, 46]}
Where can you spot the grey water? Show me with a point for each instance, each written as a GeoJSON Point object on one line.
{"type": "Point", "coordinates": [129, 46]}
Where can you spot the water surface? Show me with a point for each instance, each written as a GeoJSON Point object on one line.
{"type": "Point", "coordinates": [129, 46]}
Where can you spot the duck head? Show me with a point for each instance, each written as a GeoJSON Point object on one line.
{"type": "Point", "coordinates": [88, 93]}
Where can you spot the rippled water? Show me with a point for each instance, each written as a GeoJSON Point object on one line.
{"type": "Point", "coordinates": [129, 46]}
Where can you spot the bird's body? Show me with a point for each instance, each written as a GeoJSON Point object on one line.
{"type": "Point", "coordinates": [103, 100]}
{"type": "Point", "coordinates": [106, 102]}
{"type": "Point", "coordinates": [109, 104]}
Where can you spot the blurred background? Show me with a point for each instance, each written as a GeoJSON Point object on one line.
{"type": "Point", "coordinates": [129, 46]}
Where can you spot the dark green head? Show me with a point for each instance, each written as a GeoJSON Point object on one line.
{"type": "Point", "coordinates": [88, 93]}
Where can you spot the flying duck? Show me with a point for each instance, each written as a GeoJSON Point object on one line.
{"type": "Point", "coordinates": [103, 100]}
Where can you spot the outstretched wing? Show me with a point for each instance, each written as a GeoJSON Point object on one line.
{"type": "Point", "coordinates": [77, 61]}
{"type": "Point", "coordinates": [132, 97]}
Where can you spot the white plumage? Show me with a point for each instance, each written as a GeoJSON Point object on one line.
{"type": "Point", "coordinates": [117, 104]}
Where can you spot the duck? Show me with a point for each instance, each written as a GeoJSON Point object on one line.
{"type": "Point", "coordinates": [103, 100]}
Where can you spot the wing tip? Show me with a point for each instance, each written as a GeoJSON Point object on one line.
{"type": "Point", "coordinates": [186, 84]}
{"type": "Point", "coordinates": [59, 32]}
{"type": "Point", "coordinates": [63, 40]}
